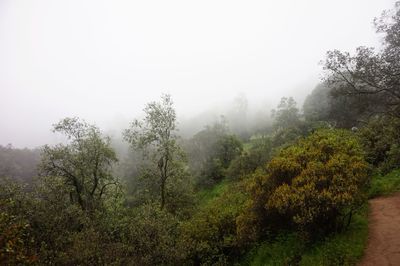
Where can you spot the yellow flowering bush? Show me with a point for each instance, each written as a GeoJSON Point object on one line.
{"type": "Point", "coordinates": [313, 186]}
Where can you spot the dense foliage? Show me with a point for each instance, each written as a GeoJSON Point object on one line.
{"type": "Point", "coordinates": [83, 164]}
{"type": "Point", "coordinates": [381, 141]}
{"type": "Point", "coordinates": [313, 186]}
{"type": "Point", "coordinates": [291, 193]}
{"type": "Point", "coordinates": [210, 153]}
{"type": "Point", "coordinates": [326, 106]}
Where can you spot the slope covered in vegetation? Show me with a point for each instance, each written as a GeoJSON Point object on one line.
{"type": "Point", "coordinates": [293, 192]}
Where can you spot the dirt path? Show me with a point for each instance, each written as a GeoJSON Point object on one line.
{"type": "Point", "coordinates": [384, 232]}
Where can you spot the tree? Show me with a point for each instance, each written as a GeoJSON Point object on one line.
{"type": "Point", "coordinates": [288, 125]}
{"type": "Point", "coordinates": [155, 136]}
{"type": "Point", "coordinates": [380, 139]}
{"type": "Point", "coordinates": [201, 147]}
{"type": "Point", "coordinates": [84, 163]}
{"type": "Point", "coordinates": [338, 110]}
{"type": "Point", "coordinates": [287, 114]}
{"type": "Point", "coordinates": [317, 104]}
{"type": "Point", "coordinates": [371, 76]}
{"type": "Point", "coordinates": [211, 151]}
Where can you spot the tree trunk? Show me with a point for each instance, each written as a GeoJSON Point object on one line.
{"type": "Point", "coordinates": [164, 176]}
{"type": "Point", "coordinates": [162, 193]}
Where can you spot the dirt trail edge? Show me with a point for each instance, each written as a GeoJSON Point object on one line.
{"type": "Point", "coordinates": [383, 246]}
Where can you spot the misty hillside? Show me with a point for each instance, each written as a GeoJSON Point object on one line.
{"type": "Point", "coordinates": [199, 133]}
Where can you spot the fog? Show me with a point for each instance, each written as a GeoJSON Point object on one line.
{"type": "Point", "coordinates": [104, 60]}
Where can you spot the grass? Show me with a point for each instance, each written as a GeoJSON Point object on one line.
{"type": "Point", "coordinates": [247, 146]}
{"type": "Point", "coordinates": [345, 248]}
{"type": "Point", "coordinates": [383, 185]}
{"type": "Point", "coordinates": [208, 194]}
{"type": "Point", "coordinates": [282, 251]}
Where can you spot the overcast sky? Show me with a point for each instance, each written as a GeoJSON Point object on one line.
{"type": "Point", "coordinates": [104, 60]}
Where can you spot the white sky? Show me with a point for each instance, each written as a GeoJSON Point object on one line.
{"type": "Point", "coordinates": [104, 60]}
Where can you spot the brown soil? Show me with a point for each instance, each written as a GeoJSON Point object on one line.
{"type": "Point", "coordinates": [384, 232]}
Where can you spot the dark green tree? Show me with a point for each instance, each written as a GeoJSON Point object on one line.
{"type": "Point", "coordinates": [381, 141]}
{"type": "Point", "coordinates": [323, 105]}
{"type": "Point", "coordinates": [211, 151]}
{"type": "Point", "coordinates": [84, 163]}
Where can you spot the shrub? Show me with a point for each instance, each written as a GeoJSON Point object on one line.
{"type": "Point", "coordinates": [381, 141]}
{"type": "Point", "coordinates": [209, 237]}
{"type": "Point", "coordinates": [16, 240]}
{"type": "Point", "coordinates": [150, 236]}
{"type": "Point", "coordinates": [314, 186]}
{"type": "Point", "coordinates": [345, 248]}
{"type": "Point", "coordinates": [257, 156]}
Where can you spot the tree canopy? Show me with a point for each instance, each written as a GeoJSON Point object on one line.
{"type": "Point", "coordinates": [156, 136]}
{"type": "Point", "coordinates": [373, 76]}
{"type": "Point", "coordinates": [84, 162]}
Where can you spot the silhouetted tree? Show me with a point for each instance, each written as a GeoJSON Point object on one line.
{"type": "Point", "coordinates": [369, 75]}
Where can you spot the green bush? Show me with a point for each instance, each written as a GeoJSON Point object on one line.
{"type": "Point", "coordinates": [209, 237]}
{"type": "Point", "coordinates": [150, 236]}
{"type": "Point", "coordinates": [257, 155]}
{"type": "Point", "coordinates": [313, 187]}
{"type": "Point", "coordinates": [345, 248]}
{"type": "Point", "coordinates": [16, 239]}
{"type": "Point", "coordinates": [381, 141]}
